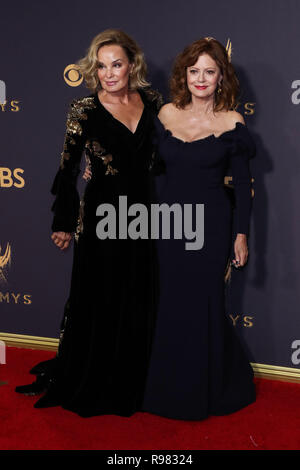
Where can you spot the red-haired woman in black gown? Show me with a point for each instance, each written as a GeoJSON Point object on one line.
{"type": "Point", "coordinates": [198, 366]}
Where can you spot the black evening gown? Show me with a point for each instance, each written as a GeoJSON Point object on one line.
{"type": "Point", "coordinates": [198, 366]}
{"type": "Point", "coordinates": [109, 317]}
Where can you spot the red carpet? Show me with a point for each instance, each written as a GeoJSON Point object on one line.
{"type": "Point", "coordinates": [273, 422]}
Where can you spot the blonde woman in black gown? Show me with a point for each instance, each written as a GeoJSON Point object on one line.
{"type": "Point", "coordinates": [198, 366]}
{"type": "Point", "coordinates": [109, 317]}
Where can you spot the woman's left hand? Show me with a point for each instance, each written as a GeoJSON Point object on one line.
{"type": "Point", "coordinates": [240, 250]}
{"type": "Point", "coordinates": [87, 174]}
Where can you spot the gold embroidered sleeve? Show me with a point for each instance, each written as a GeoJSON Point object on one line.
{"type": "Point", "coordinates": [66, 204]}
{"type": "Point", "coordinates": [75, 135]}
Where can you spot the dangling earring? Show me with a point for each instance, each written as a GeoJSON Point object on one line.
{"type": "Point", "coordinates": [219, 89]}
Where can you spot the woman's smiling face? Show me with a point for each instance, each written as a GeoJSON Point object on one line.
{"type": "Point", "coordinates": [203, 77]}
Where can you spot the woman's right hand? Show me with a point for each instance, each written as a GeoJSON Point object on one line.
{"type": "Point", "coordinates": [61, 239]}
{"type": "Point", "coordinates": [87, 174]}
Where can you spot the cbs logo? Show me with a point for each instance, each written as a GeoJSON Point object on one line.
{"type": "Point", "coordinates": [72, 75]}
{"type": "Point", "coordinates": [9, 178]}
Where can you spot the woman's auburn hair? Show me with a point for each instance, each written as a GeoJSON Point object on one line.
{"type": "Point", "coordinates": [89, 64]}
{"type": "Point", "coordinates": [180, 94]}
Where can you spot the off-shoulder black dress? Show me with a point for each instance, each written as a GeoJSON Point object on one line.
{"type": "Point", "coordinates": [109, 316]}
{"type": "Point", "coordinates": [198, 366]}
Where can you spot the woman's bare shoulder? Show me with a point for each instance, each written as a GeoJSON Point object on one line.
{"type": "Point", "coordinates": [232, 117]}
{"type": "Point", "coordinates": [167, 111]}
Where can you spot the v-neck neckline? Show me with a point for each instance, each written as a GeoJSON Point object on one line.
{"type": "Point", "coordinates": [120, 122]}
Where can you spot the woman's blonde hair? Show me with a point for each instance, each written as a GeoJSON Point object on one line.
{"type": "Point", "coordinates": [89, 64]}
